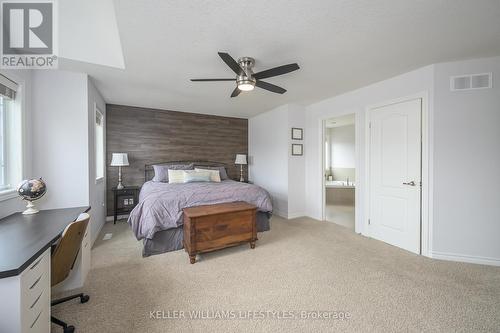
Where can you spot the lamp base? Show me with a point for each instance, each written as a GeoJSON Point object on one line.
{"type": "Point", "coordinates": [31, 209]}
{"type": "Point", "coordinates": [120, 186]}
{"type": "Point", "coordinates": [241, 173]}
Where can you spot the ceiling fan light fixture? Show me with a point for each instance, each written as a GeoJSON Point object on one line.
{"type": "Point", "coordinates": [244, 83]}
{"type": "Point", "coordinates": [246, 86]}
{"type": "Point", "coordinates": [247, 80]}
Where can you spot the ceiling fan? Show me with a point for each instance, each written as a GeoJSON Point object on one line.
{"type": "Point", "coordinates": [246, 79]}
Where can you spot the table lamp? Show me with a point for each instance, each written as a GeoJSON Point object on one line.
{"type": "Point", "coordinates": [119, 160]}
{"type": "Point", "coordinates": [241, 159]}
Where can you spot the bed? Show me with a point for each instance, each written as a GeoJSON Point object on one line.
{"type": "Point", "coordinates": [157, 219]}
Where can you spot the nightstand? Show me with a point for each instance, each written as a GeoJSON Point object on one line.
{"type": "Point", "coordinates": [124, 200]}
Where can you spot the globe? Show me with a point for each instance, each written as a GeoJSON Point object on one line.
{"type": "Point", "coordinates": [32, 189]}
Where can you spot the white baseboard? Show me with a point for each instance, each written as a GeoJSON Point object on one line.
{"type": "Point", "coordinates": [296, 215]}
{"type": "Point", "coordinates": [94, 237]}
{"type": "Point", "coordinates": [280, 214]}
{"type": "Point", "coordinates": [465, 258]}
{"type": "Point", "coordinates": [288, 216]}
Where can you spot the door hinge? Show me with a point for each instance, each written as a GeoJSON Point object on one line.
{"type": "Point", "coordinates": [369, 222]}
{"type": "Point", "coordinates": [370, 124]}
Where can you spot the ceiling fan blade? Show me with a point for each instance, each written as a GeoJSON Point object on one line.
{"type": "Point", "coordinates": [207, 80]}
{"type": "Point", "coordinates": [270, 87]}
{"type": "Point", "coordinates": [236, 92]}
{"type": "Point", "coordinates": [231, 63]}
{"type": "Point", "coordinates": [276, 71]}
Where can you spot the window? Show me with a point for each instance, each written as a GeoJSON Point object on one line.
{"type": "Point", "coordinates": [10, 137]}
{"type": "Point", "coordinates": [99, 144]}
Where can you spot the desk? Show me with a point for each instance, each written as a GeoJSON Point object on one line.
{"type": "Point", "coordinates": [25, 242]}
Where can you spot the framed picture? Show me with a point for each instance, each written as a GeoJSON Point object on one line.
{"type": "Point", "coordinates": [297, 133]}
{"type": "Point", "coordinates": [297, 149]}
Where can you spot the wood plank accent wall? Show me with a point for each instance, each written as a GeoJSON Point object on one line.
{"type": "Point", "coordinates": [154, 136]}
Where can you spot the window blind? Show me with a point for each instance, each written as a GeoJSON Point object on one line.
{"type": "Point", "coordinates": [8, 88]}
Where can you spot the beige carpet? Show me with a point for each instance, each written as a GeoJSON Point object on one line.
{"type": "Point", "coordinates": [300, 265]}
{"type": "Point", "coordinates": [343, 215]}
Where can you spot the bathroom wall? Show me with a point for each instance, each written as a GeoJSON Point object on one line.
{"type": "Point", "coordinates": [342, 153]}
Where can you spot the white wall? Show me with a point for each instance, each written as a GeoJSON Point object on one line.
{"type": "Point", "coordinates": [60, 136]}
{"type": "Point", "coordinates": [356, 102]}
{"type": "Point", "coordinates": [58, 112]}
{"type": "Point", "coordinates": [467, 165]}
{"type": "Point", "coordinates": [23, 79]}
{"type": "Point", "coordinates": [464, 155]}
{"type": "Point", "coordinates": [97, 189]}
{"type": "Point", "coordinates": [63, 142]}
{"type": "Point", "coordinates": [272, 165]}
{"type": "Point", "coordinates": [90, 32]}
{"type": "Point", "coordinates": [342, 140]}
{"type": "Point", "coordinates": [296, 164]}
{"type": "Point", "coordinates": [268, 155]}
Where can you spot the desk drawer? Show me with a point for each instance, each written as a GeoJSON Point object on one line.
{"type": "Point", "coordinates": [32, 312]}
{"type": "Point", "coordinates": [35, 295]}
{"type": "Point", "coordinates": [86, 238]}
{"type": "Point", "coordinates": [41, 323]}
{"type": "Point", "coordinates": [39, 266]}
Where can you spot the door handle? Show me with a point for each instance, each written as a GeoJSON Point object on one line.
{"type": "Point", "coordinates": [412, 183]}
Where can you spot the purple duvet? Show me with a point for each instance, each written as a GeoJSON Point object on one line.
{"type": "Point", "coordinates": [160, 204]}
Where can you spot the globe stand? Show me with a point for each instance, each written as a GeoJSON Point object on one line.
{"type": "Point", "coordinates": [30, 209]}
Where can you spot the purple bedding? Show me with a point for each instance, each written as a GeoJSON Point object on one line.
{"type": "Point", "coordinates": [160, 204]}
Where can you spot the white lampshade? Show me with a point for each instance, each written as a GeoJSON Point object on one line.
{"type": "Point", "coordinates": [241, 159]}
{"type": "Point", "coordinates": [119, 159]}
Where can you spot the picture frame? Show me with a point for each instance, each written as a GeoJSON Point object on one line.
{"type": "Point", "coordinates": [297, 149]}
{"type": "Point", "coordinates": [297, 133]}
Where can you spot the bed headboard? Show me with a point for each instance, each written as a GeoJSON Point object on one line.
{"type": "Point", "coordinates": [149, 171]}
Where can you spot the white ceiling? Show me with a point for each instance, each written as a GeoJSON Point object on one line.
{"type": "Point", "coordinates": [340, 45]}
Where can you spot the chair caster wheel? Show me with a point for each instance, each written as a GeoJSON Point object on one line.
{"type": "Point", "coordinates": [83, 299]}
{"type": "Point", "coordinates": [69, 329]}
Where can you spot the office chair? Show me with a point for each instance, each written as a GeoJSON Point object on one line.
{"type": "Point", "coordinates": [63, 257]}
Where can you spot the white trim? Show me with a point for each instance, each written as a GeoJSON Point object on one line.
{"type": "Point", "coordinates": [465, 258]}
{"type": "Point", "coordinates": [25, 113]}
{"type": "Point", "coordinates": [427, 183]}
{"type": "Point", "coordinates": [358, 225]}
{"type": "Point", "coordinates": [8, 194]}
{"type": "Point", "coordinates": [280, 214]}
{"type": "Point", "coordinates": [295, 215]}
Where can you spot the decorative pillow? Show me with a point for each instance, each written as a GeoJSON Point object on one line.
{"type": "Point", "coordinates": [214, 174]}
{"type": "Point", "coordinates": [196, 176]}
{"type": "Point", "coordinates": [175, 176]}
{"type": "Point", "coordinates": [222, 170]}
{"type": "Point", "coordinates": [161, 170]}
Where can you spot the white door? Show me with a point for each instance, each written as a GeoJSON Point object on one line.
{"type": "Point", "coordinates": [395, 174]}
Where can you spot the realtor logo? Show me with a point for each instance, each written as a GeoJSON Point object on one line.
{"type": "Point", "coordinates": [28, 34]}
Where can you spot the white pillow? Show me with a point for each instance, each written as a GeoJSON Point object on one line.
{"type": "Point", "coordinates": [214, 174]}
{"type": "Point", "coordinates": [175, 176]}
{"type": "Point", "coordinates": [196, 176]}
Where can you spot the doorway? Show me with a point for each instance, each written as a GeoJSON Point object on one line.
{"type": "Point", "coordinates": [395, 174]}
{"type": "Point", "coordinates": [339, 170]}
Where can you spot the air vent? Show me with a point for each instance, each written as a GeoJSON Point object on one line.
{"type": "Point", "coordinates": [471, 82]}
